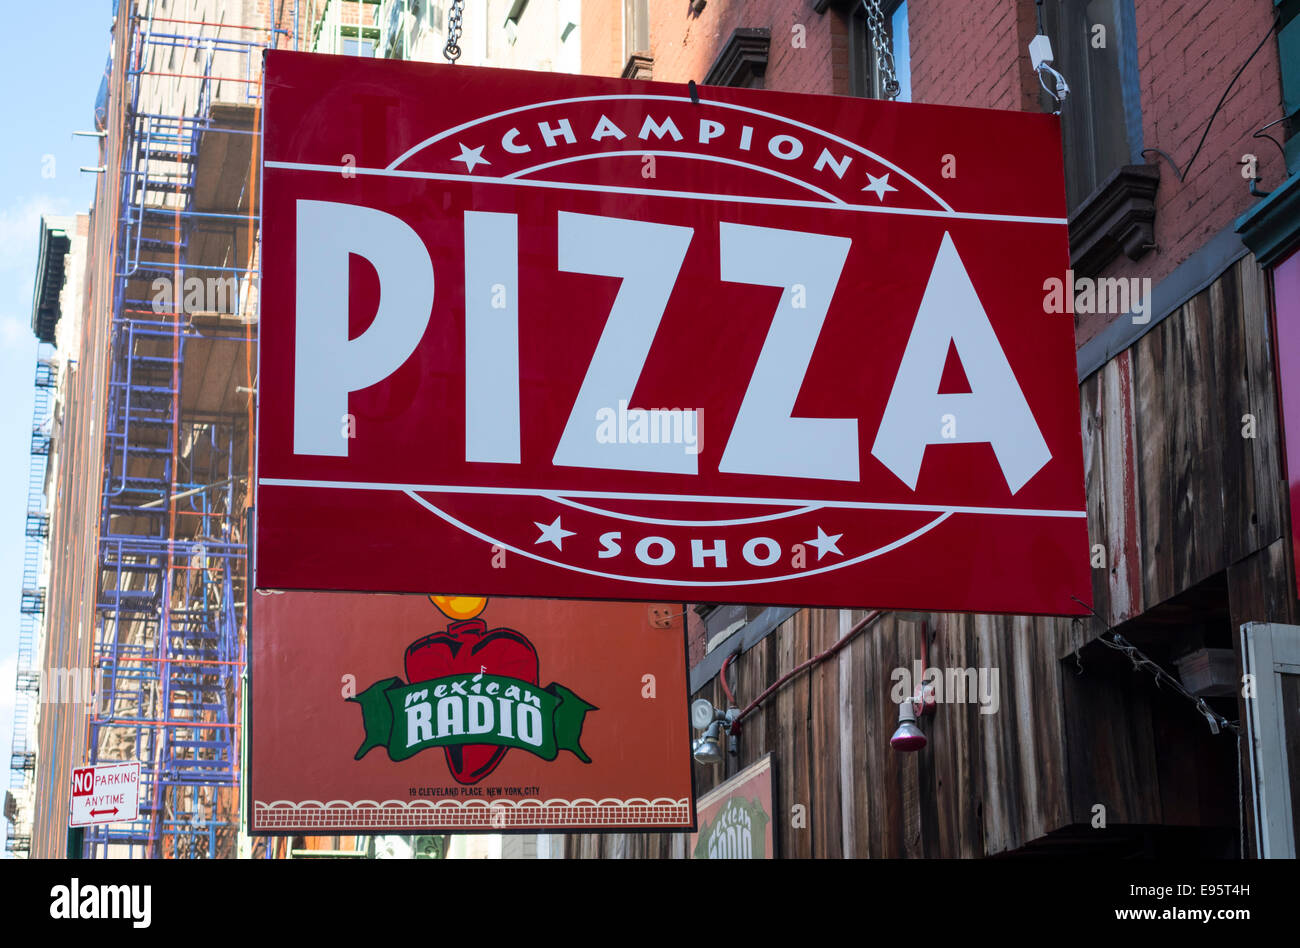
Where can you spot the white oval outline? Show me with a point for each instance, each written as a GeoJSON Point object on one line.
{"type": "Point", "coordinates": [664, 521]}
{"type": "Point", "coordinates": [658, 581]}
{"type": "Point", "coordinates": [420, 146]}
{"type": "Point", "coordinates": [680, 154]}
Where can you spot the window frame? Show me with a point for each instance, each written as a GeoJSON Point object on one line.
{"type": "Point", "coordinates": [636, 18]}
{"type": "Point", "coordinates": [359, 35]}
{"type": "Point", "coordinates": [331, 30]}
{"type": "Point", "coordinates": [1084, 118]}
{"type": "Point", "coordinates": [864, 77]}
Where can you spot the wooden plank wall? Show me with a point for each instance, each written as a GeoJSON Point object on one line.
{"type": "Point", "coordinates": [1060, 742]}
{"type": "Point", "coordinates": [987, 783]}
{"type": "Point", "coordinates": [1176, 491]}
{"type": "Point", "coordinates": [1176, 494]}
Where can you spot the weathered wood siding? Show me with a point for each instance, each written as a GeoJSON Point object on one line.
{"type": "Point", "coordinates": [1176, 491]}
{"type": "Point", "coordinates": [1059, 744]}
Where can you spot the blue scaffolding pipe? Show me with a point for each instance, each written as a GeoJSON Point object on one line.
{"type": "Point", "coordinates": [172, 557]}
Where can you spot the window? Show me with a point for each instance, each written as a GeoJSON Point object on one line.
{"type": "Point", "coordinates": [636, 27]}
{"type": "Point", "coordinates": [353, 45]}
{"type": "Point", "coordinates": [636, 40]}
{"type": "Point", "coordinates": [403, 23]}
{"type": "Point", "coordinates": [864, 70]}
{"type": "Point", "coordinates": [338, 30]}
{"type": "Point", "coordinates": [1095, 44]}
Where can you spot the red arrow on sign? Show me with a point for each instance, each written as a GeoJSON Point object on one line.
{"type": "Point", "coordinates": [98, 812]}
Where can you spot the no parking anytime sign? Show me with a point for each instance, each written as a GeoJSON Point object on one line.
{"type": "Point", "coordinates": [544, 335]}
{"type": "Point", "coordinates": [105, 793]}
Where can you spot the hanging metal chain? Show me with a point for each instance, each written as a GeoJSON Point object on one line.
{"type": "Point", "coordinates": [452, 49]}
{"type": "Point", "coordinates": [880, 43]}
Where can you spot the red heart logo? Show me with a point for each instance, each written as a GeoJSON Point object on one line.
{"type": "Point", "coordinates": [466, 648]}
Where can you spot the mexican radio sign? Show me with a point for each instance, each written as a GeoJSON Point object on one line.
{"type": "Point", "coordinates": [540, 335]}
{"type": "Point", "coordinates": [736, 817]}
{"type": "Point", "coordinates": [407, 714]}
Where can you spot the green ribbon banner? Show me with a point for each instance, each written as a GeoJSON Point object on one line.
{"type": "Point", "coordinates": [471, 709]}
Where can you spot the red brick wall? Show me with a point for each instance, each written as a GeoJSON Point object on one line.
{"type": "Point", "coordinates": [970, 53]}
{"type": "Point", "coordinates": [259, 13]}
{"type": "Point", "coordinates": [602, 37]}
{"type": "Point", "coordinates": [684, 46]}
{"type": "Point", "coordinates": [1187, 55]}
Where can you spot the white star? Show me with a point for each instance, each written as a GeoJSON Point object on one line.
{"type": "Point", "coordinates": [878, 186]}
{"type": "Point", "coordinates": [825, 544]}
{"type": "Point", "coordinates": [474, 156]}
{"type": "Point", "coordinates": [552, 533]}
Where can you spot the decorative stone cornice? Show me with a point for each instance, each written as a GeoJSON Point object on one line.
{"type": "Point", "coordinates": [639, 66]}
{"type": "Point", "coordinates": [743, 57]}
{"type": "Point", "coordinates": [1119, 217]}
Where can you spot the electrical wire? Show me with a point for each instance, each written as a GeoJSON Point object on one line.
{"type": "Point", "coordinates": [1139, 660]}
{"type": "Point", "coordinates": [1182, 175]}
{"type": "Point", "coordinates": [1259, 133]}
{"type": "Point", "coordinates": [1062, 87]}
{"type": "Point", "coordinates": [847, 637]}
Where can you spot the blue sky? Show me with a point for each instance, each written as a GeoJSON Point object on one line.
{"type": "Point", "coordinates": [51, 60]}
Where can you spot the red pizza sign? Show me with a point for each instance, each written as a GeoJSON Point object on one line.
{"type": "Point", "coordinates": [531, 334]}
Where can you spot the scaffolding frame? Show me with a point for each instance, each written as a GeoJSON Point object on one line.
{"type": "Point", "coordinates": [170, 645]}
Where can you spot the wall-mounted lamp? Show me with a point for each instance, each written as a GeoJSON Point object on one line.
{"type": "Point", "coordinates": [706, 748]}
{"type": "Point", "coordinates": [908, 737]}
{"type": "Point", "coordinates": [710, 721]}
